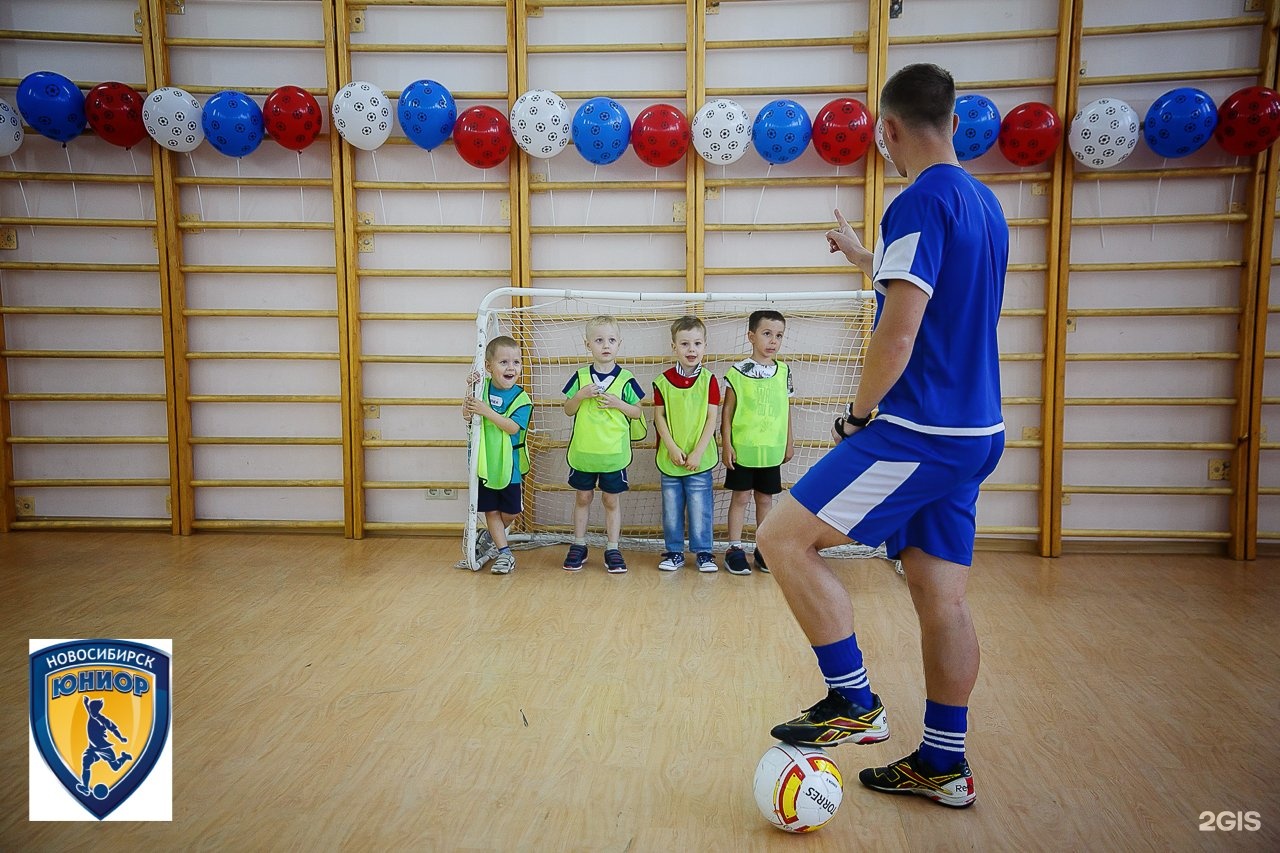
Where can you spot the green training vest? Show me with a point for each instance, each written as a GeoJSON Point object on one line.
{"type": "Point", "coordinates": [494, 456]}
{"type": "Point", "coordinates": [686, 411]}
{"type": "Point", "coordinates": [759, 418]}
{"type": "Point", "coordinates": [601, 440]}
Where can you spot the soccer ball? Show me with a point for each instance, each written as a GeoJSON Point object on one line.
{"type": "Point", "coordinates": [798, 789]}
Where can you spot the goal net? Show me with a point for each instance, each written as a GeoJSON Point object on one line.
{"type": "Point", "coordinates": [823, 346]}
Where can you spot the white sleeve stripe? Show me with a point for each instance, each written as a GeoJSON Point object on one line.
{"type": "Point", "coordinates": [897, 260]}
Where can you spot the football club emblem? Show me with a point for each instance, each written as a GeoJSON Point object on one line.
{"type": "Point", "coordinates": [100, 714]}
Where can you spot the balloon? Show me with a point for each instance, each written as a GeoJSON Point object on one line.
{"type": "Point", "coordinates": [10, 129]}
{"type": "Point", "coordinates": [1248, 121]}
{"type": "Point", "coordinates": [52, 105]}
{"type": "Point", "coordinates": [427, 113]}
{"type": "Point", "coordinates": [233, 123]}
{"type": "Point", "coordinates": [660, 135]}
{"type": "Point", "coordinates": [292, 117]}
{"type": "Point", "coordinates": [1104, 133]}
{"type": "Point", "coordinates": [721, 130]}
{"type": "Point", "coordinates": [482, 136]}
{"type": "Point", "coordinates": [1029, 134]}
{"type": "Point", "coordinates": [978, 127]}
{"type": "Point", "coordinates": [880, 144]}
{"type": "Point", "coordinates": [601, 130]}
{"type": "Point", "coordinates": [540, 123]}
{"type": "Point", "coordinates": [114, 111]}
{"type": "Point", "coordinates": [1180, 122]}
{"type": "Point", "coordinates": [842, 132]}
{"type": "Point", "coordinates": [173, 119]}
{"type": "Point", "coordinates": [362, 115]}
{"type": "Point", "coordinates": [781, 131]}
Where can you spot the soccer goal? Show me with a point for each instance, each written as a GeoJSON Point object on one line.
{"type": "Point", "coordinates": [824, 345]}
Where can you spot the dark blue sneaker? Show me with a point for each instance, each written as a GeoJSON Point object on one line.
{"type": "Point", "coordinates": [576, 557]}
{"type": "Point", "coordinates": [760, 561]}
{"type": "Point", "coordinates": [614, 563]}
{"type": "Point", "coordinates": [735, 560]}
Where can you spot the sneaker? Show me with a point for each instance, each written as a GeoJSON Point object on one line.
{"type": "Point", "coordinates": [833, 721]}
{"type": "Point", "coordinates": [485, 551]}
{"type": "Point", "coordinates": [671, 561]}
{"type": "Point", "coordinates": [759, 561]}
{"type": "Point", "coordinates": [735, 560]}
{"type": "Point", "coordinates": [908, 776]}
{"type": "Point", "coordinates": [505, 562]}
{"type": "Point", "coordinates": [575, 558]}
{"type": "Point", "coordinates": [707, 563]}
{"type": "Point", "coordinates": [614, 563]}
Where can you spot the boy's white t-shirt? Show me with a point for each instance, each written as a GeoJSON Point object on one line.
{"type": "Point", "coordinates": [753, 369]}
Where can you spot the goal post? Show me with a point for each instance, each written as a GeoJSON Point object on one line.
{"type": "Point", "coordinates": [823, 346]}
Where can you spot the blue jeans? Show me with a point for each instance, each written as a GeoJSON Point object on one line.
{"type": "Point", "coordinates": [692, 491]}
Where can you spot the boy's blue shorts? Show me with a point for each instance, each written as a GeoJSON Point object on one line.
{"type": "Point", "coordinates": [611, 482]}
{"type": "Point", "coordinates": [888, 484]}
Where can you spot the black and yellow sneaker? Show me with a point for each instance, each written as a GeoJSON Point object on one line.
{"type": "Point", "coordinates": [907, 776]}
{"type": "Point", "coordinates": [833, 721]}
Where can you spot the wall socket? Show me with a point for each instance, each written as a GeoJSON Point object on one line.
{"type": "Point", "coordinates": [442, 494]}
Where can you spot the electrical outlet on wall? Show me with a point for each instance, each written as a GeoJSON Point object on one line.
{"type": "Point", "coordinates": [442, 494]}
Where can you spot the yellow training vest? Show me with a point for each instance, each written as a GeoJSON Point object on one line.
{"type": "Point", "coordinates": [686, 413]}
{"type": "Point", "coordinates": [759, 418]}
{"type": "Point", "coordinates": [601, 440]}
{"type": "Point", "coordinates": [496, 449]}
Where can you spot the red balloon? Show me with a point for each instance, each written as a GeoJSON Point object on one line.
{"type": "Point", "coordinates": [1030, 134]}
{"type": "Point", "coordinates": [482, 136]}
{"type": "Point", "coordinates": [292, 117]}
{"type": "Point", "coordinates": [842, 131]}
{"type": "Point", "coordinates": [660, 135]}
{"type": "Point", "coordinates": [1248, 121]}
{"type": "Point", "coordinates": [114, 111]}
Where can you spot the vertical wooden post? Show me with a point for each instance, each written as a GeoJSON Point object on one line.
{"type": "Point", "coordinates": [877, 67]}
{"type": "Point", "coordinates": [695, 169]}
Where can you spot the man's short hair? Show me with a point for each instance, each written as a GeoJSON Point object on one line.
{"type": "Point", "coordinates": [688, 323]}
{"type": "Point", "coordinates": [921, 95]}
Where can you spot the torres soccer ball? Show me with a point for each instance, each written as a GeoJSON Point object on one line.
{"type": "Point", "coordinates": [798, 789]}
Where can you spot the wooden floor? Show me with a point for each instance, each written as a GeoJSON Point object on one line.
{"type": "Point", "coordinates": [333, 694]}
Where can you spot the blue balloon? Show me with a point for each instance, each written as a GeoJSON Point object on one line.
{"type": "Point", "coordinates": [232, 123]}
{"type": "Point", "coordinates": [601, 130]}
{"type": "Point", "coordinates": [978, 128]}
{"type": "Point", "coordinates": [1180, 122]}
{"type": "Point", "coordinates": [781, 131]}
{"type": "Point", "coordinates": [427, 113]}
{"type": "Point", "coordinates": [52, 105]}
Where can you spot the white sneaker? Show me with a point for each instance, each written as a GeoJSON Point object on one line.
{"type": "Point", "coordinates": [504, 564]}
{"type": "Point", "coordinates": [707, 564]}
{"type": "Point", "coordinates": [485, 551]}
{"type": "Point", "coordinates": [671, 561]}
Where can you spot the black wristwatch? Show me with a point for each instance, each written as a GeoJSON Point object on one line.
{"type": "Point", "coordinates": [851, 421]}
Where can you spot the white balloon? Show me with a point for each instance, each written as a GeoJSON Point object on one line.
{"type": "Point", "coordinates": [721, 131]}
{"type": "Point", "coordinates": [10, 129]}
{"type": "Point", "coordinates": [362, 115]}
{"type": "Point", "coordinates": [881, 147]}
{"type": "Point", "coordinates": [1104, 133]}
{"type": "Point", "coordinates": [173, 119]}
{"type": "Point", "coordinates": [540, 123]}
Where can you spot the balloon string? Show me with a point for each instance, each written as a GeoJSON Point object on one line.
{"type": "Point", "coordinates": [22, 190]}
{"type": "Point", "coordinates": [484, 176]}
{"type": "Point", "coordinates": [377, 177]}
{"type": "Point", "coordinates": [142, 208]}
{"type": "Point", "coordinates": [590, 195]}
{"type": "Point", "coordinates": [552, 195]}
{"type": "Point", "coordinates": [1155, 208]}
{"type": "Point", "coordinates": [74, 195]}
{"type": "Point", "coordinates": [724, 193]}
{"type": "Point", "coordinates": [1231, 195]}
{"type": "Point", "coordinates": [239, 216]}
{"type": "Point", "coordinates": [436, 179]}
{"type": "Point", "coordinates": [653, 210]}
{"type": "Point", "coordinates": [760, 200]}
{"type": "Point", "coordinates": [199, 194]}
{"type": "Point", "coordinates": [302, 202]}
{"type": "Point", "coordinates": [1102, 229]}
{"type": "Point", "coordinates": [836, 205]}
{"type": "Point", "coordinates": [1017, 234]}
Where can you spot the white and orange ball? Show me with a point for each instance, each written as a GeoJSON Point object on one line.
{"type": "Point", "coordinates": [797, 788]}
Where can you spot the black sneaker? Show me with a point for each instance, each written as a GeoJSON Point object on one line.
{"type": "Point", "coordinates": [907, 776]}
{"type": "Point", "coordinates": [760, 561]}
{"type": "Point", "coordinates": [833, 721]}
{"type": "Point", "coordinates": [735, 560]}
{"type": "Point", "coordinates": [574, 560]}
{"type": "Point", "coordinates": [614, 563]}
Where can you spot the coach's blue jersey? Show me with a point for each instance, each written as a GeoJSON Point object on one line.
{"type": "Point", "coordinates": [946, 234]}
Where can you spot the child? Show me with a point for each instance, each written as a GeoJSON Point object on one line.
{"type": "Point", "coordinates": [602, 399]}
{"type": "Point", "coordinates": [756, 433]}
{"type": "Point", "coordinates": [505, 408]}
{"type": "Point", "coordinates": [686, 399]}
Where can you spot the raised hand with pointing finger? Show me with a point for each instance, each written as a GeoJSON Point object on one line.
{"type": "Point", "coordinates": [844, 239]}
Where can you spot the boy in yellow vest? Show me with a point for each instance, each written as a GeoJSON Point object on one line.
{"type": "Point", "coordinates": [603, 398]}
{"type": "Point", "coordinates": [502, 456]}
{"type": "Point", "coordinates": [756, 434]}
{"type": "Point", "coordinates": [686, 400]}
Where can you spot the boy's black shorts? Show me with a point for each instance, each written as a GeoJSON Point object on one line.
{"type": "Point", "coordinates": [506, 500]}
{"type": "Point", "coordinates": [766, 481]}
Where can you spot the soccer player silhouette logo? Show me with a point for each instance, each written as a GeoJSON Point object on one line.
{"type": "Point", "coordinates": [100, 749]}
